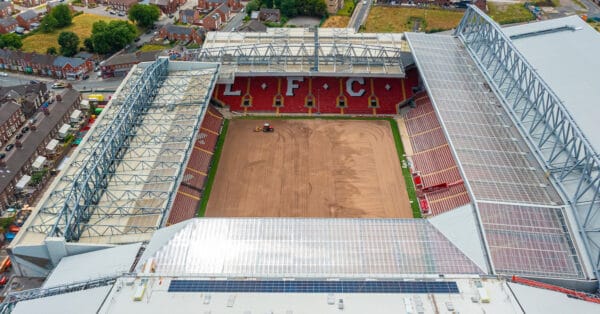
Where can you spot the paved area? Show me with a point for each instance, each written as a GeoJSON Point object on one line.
{"type": "Point", "coordinates": [309, 168]}
{"type": "Point", "coordinates": [304, 21]}
{"type": "Point", "coordinates": [361, 11]}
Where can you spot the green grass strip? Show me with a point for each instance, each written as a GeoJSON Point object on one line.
{"type": "Point", "coordinates": [212, 173]}
{"type": "Point", "coordinates": [410, 188]}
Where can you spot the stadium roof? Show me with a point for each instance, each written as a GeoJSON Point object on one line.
{"type": "Point", "coordinates": [288, 247]}
{"type": "Point", "coordinates": [564, 52]}
{"type": "Point", "coordinates": [522, 216]}
{"type": "Point", "coordinates": [85, 301]}
{"type": "Point", "coordinates": [123, 176]}
{"type": "Point", "coordinates": [291, 51]}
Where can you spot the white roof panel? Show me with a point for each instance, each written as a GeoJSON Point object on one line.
{"type": "Point", "coordinates": [93, 265]}
{"type": "Point", "coordinates": [86, 301]}
{"type": "Point", "coordinates": [565, 54]}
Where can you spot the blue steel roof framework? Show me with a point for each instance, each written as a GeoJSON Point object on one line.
{"type": "Point", "coordinates": [122, 179]}
{"type": "Point", "coordinates": [552, 133]}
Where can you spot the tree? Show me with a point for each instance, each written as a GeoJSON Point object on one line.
{"type": "Point", "coordinates": [68, 42]}
{"type": "Point", "coordinates": [51, 51]}
{"type": "Point", "coordinates": [253, 5]}
{"type": "Point", "coordinates": [62, 14]}
{"type": "Point", "coordinates": [48, 24]}
{"type": "Point", "coordinates": [288, 8]}
{"type": "Point", "coordinates": [112, 37]}
{"type": "Point", "coordinates": [10, 40]}
{"type": "Point", "coordinates": [88, 44]}
{"type": "Point", "coordinates": [144, 15]}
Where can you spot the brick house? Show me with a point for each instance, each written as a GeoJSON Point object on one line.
{"type": "Point", "coordinates": [25, 19]}
{"type": "Point", "coordinates": [121, 5]}
{"type": "Point", "coordinates": [11, 119]}
{"type": "Point", "coordinates": [54, 66]}
{"type": "Point", "coordinates": [29, 97]}
{"type": "Point", "coordinates": [8, 25]}
{"type": "Point", "coordinates": [224, 11]}
{"type": "Point", "coordinates": [182, 33]}
{"type": "Point", "coordinates": [119, 64]}
{"type": "Point", "coordinates": [29, 3]}
{"type": "Point", "coordinates": [21, 159]}
{"type": "Point", "coordinates": [166, 6]}
{"type": "Point", "coordinates": [269, 15]}
{"type": "Point", "coordinates": [209, 5]}
{"type": "Point", "coordinates": [212, 21]}
{"type": "Point", "coordinates": [189, 16]}
{"type": "Point", "coordinates": [6, 9]}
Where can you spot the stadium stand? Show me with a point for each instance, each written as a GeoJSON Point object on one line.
{"type": "Point", "coordinates": [191, 187]}
{"type": "Point", "coordinates": [333, 95]}
{"type": "Point", "coordinates": [437, 177]}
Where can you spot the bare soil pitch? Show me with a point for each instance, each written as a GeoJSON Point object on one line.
{"type": "Point", "coordinates": [309, 168]}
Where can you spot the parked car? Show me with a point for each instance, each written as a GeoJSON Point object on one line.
{"type": "Point", "coordinates": [3, 74]}
{"type": "Point", "coordinates": [112, 12]}
{"type": "Point", "coordinates": [3, 280]}
{"type": "Point", "coordinates": [34, 82]}
{"type": "Point", "coordinates": [25, 130]}
{"type": "Point", "coordinates": [2, 156]}
{"type": "Point", "coordinates": [19, 136]}
{"type": "Point", "coordinates": [121, 14]}
{"type": "Point", "coordinates": [85, 76]}
{"type": "Point", "coordinates": [58, 85]}
{"type": "Point", "coordinates": [9, 147]}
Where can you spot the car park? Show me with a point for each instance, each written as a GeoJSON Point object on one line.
{"type": "Point", "coordinates": [9, 147]}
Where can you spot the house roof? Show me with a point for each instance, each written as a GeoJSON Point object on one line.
{"type": "Point", "coordinates": [124, 2]}
{"type": "Point", "coordinates": [269, 11]}
{"type": "Point", "coordinates": [223, 8]}
{"type": "Point", "coordinates": [4, 5]}
{"type": "Point", "coordinates": [7, 109]}
{"type": "Point", "coordinates": [28, 91]}
{"type": "Point", "coordinates": [159, 2]}
{"type": "Point", "coordinates": [179, 30]}
{"type": "Point", "coordinates": [253, 26]}
{"type": "Point", "coordinates": [43, 59]}
{"type": "Point", "coordinates": [216, 1]}
{"type": "Point", "coordinates": [8, 21]}
{"type": "Point", "coordinates": [28, 15]}
{"type": "Point", "coordinates": [61, 61]}
{"type": "Point", "coordinates": [187, 12]}
{"type": "Point", "coordinates": [85, 55]}
{"type": "Point", "coordinates": [128, 58]}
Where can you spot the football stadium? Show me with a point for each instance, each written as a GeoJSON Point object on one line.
{"type": "Point", "coordinates": [324, 170]}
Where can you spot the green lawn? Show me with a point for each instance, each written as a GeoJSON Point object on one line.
{"type": "Point", "coordinates": [509, 13]}
{"type": "Point", "coordinates": [397, 20]}
{"type": "Point", "coordinates": [347, 9]}
{"type": "Point", "coordinates": [82, 26]}
{"type": "Point", "coordinates": [150, 47]}
{"type": "Point", "coordinates": [213, 169]}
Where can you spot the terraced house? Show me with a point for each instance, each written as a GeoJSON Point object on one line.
{"type": "Point", "coordinates": [42, 64]}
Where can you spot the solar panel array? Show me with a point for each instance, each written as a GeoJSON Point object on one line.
{"type": "Point", "coordinates": [498, 166]}
{"type": "Point", "coordinates": [313, 286]}
{"type": "Point", "coordinates": [288, 247]}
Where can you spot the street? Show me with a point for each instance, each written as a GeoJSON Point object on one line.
{"type": "Point", "coordinates": [234, 23]}
{"type": "Point", "coordinates": [360, 14]}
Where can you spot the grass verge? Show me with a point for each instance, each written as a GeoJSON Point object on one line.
{"type": "Point", "coordinates": [336, 21]}
{"type": "Point", "coordinates": [348, 8]}
{"type": "Point", "coordinates": [150, 47]}
{"type": "Point", "coordinates": [509, 13]}
{"type": "Point", "coordinates": [412, 194]}
{"type": "Point", "coordinates": [82, 27]}
{"type": "Point", "coordinates": [397, 20]}
{"type": "Point", "coordinates": [213, 169]}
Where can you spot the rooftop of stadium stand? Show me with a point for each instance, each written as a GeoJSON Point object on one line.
{"type": "Point", "coordinates": [291, 51]}
{"type": "Point", "coordinates": [564, 52]}
{"type": "Point", "coordinates": [521, 213]}
{"type": "Point", "coordinates": [161, 106]}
